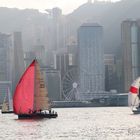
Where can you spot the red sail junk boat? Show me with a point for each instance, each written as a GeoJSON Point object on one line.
{"type": "Point", "coordinates": [31, 97]}
{"type": "Point", "coordinates": [134, 96]}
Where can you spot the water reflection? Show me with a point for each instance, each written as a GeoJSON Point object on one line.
{"type": "Point", "coordinates": [75, 124]}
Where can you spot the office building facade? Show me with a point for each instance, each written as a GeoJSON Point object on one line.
{"type": "Point", "coordinates": [130, 44]}
{"type": "Point", "coordinates": [6, 58]}
{"type": "Point", "coordinates": [91, 60]}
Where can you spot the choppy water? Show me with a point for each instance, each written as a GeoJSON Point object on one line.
{"type": "Point", "coordinates": [111, 123]}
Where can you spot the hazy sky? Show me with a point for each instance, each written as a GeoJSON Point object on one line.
{"type": "Point", "coordinates": [67, 6]}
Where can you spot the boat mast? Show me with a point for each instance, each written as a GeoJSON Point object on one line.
{"type": "Point", "coordinates": [34, 103]}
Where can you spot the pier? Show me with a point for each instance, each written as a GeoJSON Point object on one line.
{"type": "Point", "coordinates": [104, 101]}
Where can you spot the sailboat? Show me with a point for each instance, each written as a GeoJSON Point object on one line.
{"type": "Point", "coordinates": [31, 96]}
{"type": "Point", "coordinates": [134, 96]}
{"type": "Point", "coordinates": [7, 103]}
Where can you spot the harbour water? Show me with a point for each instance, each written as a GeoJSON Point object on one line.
{"type": "Point", "coordinates": [97, 123]}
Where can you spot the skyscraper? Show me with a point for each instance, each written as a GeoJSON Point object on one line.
{"type": "Point", "coordinates": [131, 66]}
{"type": "Point", "coordinates": [110, 72]}
{"type": "Point", "coordinates": [53, 82]}
{"type": "Point", "coordinates": [55, 29]}
{"type": "Point", "coordinates": [18, 64]}
{"type": "Point", "coordinates": [91, 60]}
{"type": "Point", "coordinates": [5, 64]}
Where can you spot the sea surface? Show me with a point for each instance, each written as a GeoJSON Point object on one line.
{"type": "Point", "coordinates": [97, 123]}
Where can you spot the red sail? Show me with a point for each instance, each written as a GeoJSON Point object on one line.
{"type": "Point", "coordinates": [23, 101]}
{"type": "Point", "coordinates": [133, 90]}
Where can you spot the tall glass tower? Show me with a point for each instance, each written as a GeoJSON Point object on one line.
{"type": "Point", "coordinates": [5, 64]}
{"type": "Point", "coordinates": [91, 60]}
{"type": "Point", "coordinates": [130, 31]}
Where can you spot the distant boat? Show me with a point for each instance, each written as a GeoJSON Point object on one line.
{"type": "Point", "coordinates": [134, 96]}
{"type": "Point", "coordinates": [7, 103]}
{"type": "Point", "coordinates": [31, 96]}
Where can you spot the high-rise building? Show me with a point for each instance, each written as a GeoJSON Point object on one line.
{"type": "Point", "coordinates": [5, 46]}
{"type": "Point", "coordinates": [5, 64]}
{"type": "Point", "coordinates": [91, 59]}
{"type": "Point", "coordinates": [131, 49]}
{"type": "Point", "coordinates": [73, 54]}
{"type": "Point", "coordinates": [29, 56]}
{"type": "Point", "coordinates": [53, 83]}
{"type": "Point", "coordinates": [39, 51]}
{"type": "Point", "coordinates": [55, 34]}
{"type": "Point", "coordinates": [61, 61]}
{"type": "Point", "coordinates": [18, 64]}
{"type": "Point", "coordinates": [55, 29]}
{"type": "Point", "coordinates": [110, 72]}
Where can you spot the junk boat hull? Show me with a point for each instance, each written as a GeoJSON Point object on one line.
{"type": "Point", "coordinates": [136, 111]}
{"type": "Point", "coordinates": [7, 112]}
{"type": "Point", "coordinates": [36, 116]}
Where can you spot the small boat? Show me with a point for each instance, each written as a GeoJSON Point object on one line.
{"type": "Point", "coordinates": [7, 104]}
{"type": "Point", "coordinates": [31, 96]}
{"type": "Point", "coordinates": [134, 96]}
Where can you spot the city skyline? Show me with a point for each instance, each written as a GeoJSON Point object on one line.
{"type": "Point", "coordinates": [67, 7]}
